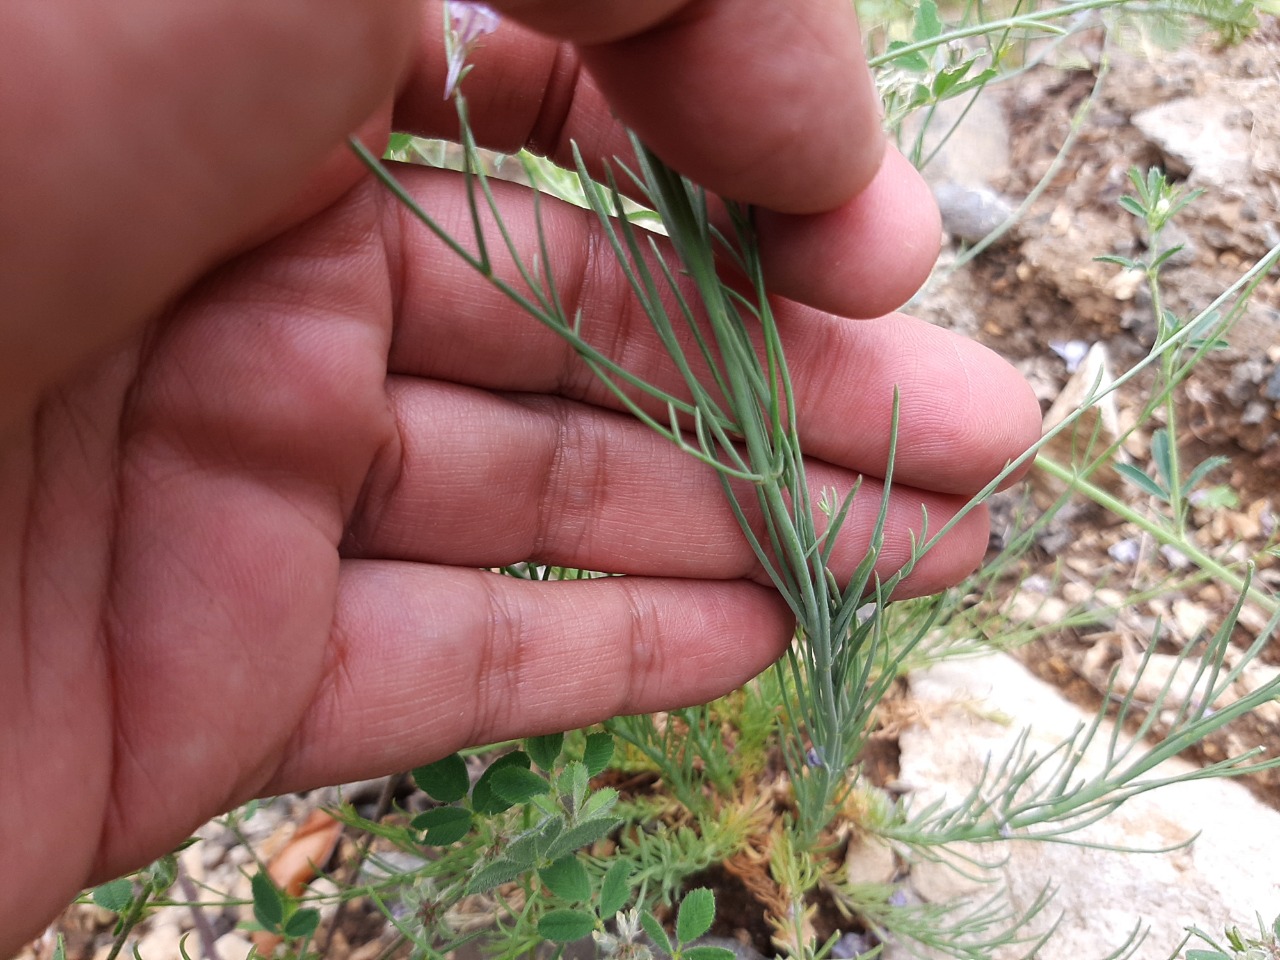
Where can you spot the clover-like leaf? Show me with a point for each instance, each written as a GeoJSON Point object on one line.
{"type": "Point", "coordinates": [615, 888]}
{"type": "Point", "coordinates": [446, 780]}
{"type": "Point", "coordinates": [565, 926]}
{"type": "Point", "coordinates": [567, 878]}
{"type": "Point", "coordinates": [580, 836]}
{"type": "Point", "coordinates": [115, 895]}
{"type": "Point", "coordinates": [302, 924]}
{"type": "Point", "coordinates": [484, 799]}
{"type": "Point", "coordinates": [697, 911]}
{"type": "Point", "coordinates": [443, 825]}
{"type": "Point", "coordinates": [517, 784]}
{"type": "Point", "coordinates": [598, 753]}
{"type": "Point", "coordinates": [268, 903]}
{"type": "Point", "coordinates": [654, 929]}
{"type": "Point", "coordinates": [496, 873]}
{"type": "Point", "coordinates": [545, 750]}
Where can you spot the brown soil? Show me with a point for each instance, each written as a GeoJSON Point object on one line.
{"type": "Point", "coordinates": [1043, 286]}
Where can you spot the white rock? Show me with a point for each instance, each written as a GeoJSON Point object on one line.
{"type": "Point", "coordinates": [232, 946]}
{"type": "Point", "coordinates": [1211, 135]}
{"type": "Point", "coordinates": [1224, 876]}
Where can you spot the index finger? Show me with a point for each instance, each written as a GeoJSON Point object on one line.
{"type": "Point", "coordinates": [769, 102]}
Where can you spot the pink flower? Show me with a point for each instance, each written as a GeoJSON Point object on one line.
{"type": "Point", "coordinates": [468, 22]}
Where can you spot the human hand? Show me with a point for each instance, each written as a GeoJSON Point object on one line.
{"type": "Point", "coordinates": [242, 537]}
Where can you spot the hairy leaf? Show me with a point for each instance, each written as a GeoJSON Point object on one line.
{"type": "Point", "coordinates": [565, 926]}
{"type": "Point", "coordinates": [115, 895]}
{"type": "Point", "coordinates": [567, 878]}
{"type": "Point", "coordinates": [484, 799]}
{"type": "Point", "coordinates": [582, 835]}
{"type": "Point", "coordinates": [615, 889]}
{"type": "Point", "coordinates": [654, 929]}
{"type": "Point", "coordinates": [446, 780]}
{"type": "Point", "coordinates": [697, 911]}
{"type": "Point", "coordinates": [598, 753]}
{"type": "Point", "coordinates": [443, 825]}
{"type": "Point", "coordinates": [545, 750]}
{"type": "Point", "coordinates": [268, 904]}
{"type": "Point", "coordinates": [516, 784]}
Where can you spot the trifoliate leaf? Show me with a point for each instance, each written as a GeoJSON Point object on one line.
{"type": "Point", "coordinates": [571, 785]}
{"type": "Point", "coordinates": [697, 911]}
{"type": "Point", "coordinates": [302, 924]}
{"type": "Point", "coordinates": [654, 929]}
{"type": "Point", "coordinates": [515, 784]}
{"type": "Point", "coordinates": [567, 878]}
{"type": "Point", "coordinates": [598, 804]}
{"type": "Point", "coordinates": [115, 895]}
{"type": "Point", "coordinates": [1141, 480]}
{"type": "Point", "coordinates": [445, 780]}
{"type": "Point", "coordinates": [928, 25]}
{"type": "Point", "coordinates": [598, 753]}
{"type": "Point", "coordinates": [707, 953]}
{"type": "Point", "coordinates": [545, 750]}
{"type": "Point", "coordinates": [908, 61]}
{"type": "Point", "coordinates": [580, 836]}
{"type": "Point", "coordinates": [615, 888]}
{"type": "Point", "coordinates": [529, 847]}
{"type": "Point", "coordinates": [565, 926]}
{"type": "Point", "coordinates": [268, 904]}
{"type": "Point", "coordinates": [484, 799]}
{"type": "Point", "coordinates": [443, 825]}
{"type": "Point", "coordinates": [498, 872]}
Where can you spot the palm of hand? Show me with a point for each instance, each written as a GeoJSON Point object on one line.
{"type": "Point", "coordinates": [247, 546]}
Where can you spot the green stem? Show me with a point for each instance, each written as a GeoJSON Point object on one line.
{"type": "Point", "coordinates": [1168, 367]}
{"type": "Point", "coordinates": [1040, 18]}
{"type": "Point", "coordinates": [130, 920]}
{"type": "Point", "coordinates": [1158, 532]}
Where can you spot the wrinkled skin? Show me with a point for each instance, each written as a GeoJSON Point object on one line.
{"type": "Point", "coordinates": [260, 432]}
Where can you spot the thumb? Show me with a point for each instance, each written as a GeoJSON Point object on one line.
{"type": "Point", "coordinates": [149, 139]}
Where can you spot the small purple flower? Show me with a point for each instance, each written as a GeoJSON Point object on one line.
{"type": "Point", "coordinates": [815, 758]}
{"type": "Point", "coordinates": [469, 22]}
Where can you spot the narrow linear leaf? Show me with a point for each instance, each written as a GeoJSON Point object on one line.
{"type": "Point", "coordinates": [1163, 456]}
{"type": "Point", "coordinates": [565, 926]}
{"type": "Point", "coordinates": [567, 878]}
{"type": "Point", "coordinates": [1134, 206]}
{"type": "Point", "coordinates": [697, 911]}
{"type": "Point", "coordinates": [598, 753]}
{"type": "Point", "coordinates": [445, 781]}
{"type": "Point", "coordinates": [1165, 256]}
{"type": "Point", "coordinates": [545, 750]}
{"type": "Point", "coordinates": [654, 929]}
{"type": "Point", "coordinates": [1119, 261]}
{"type": "Point", "coordinates": [1141, 480]}
{"type": "Point", "coordinates": [443, 825]}
{"type": "Point", "coordinates": [1202, 470]}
